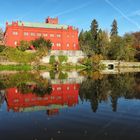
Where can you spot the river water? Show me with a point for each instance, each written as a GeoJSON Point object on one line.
{"type": "Point", "coordinates": [69, 106]}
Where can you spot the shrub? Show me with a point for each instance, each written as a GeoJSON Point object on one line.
{"type": "Point", "coordinates": [41, 43]}
{"type": "Point", "coordinates": [23, 46]}
{"type": "Point", "coordinates": [62, 58]}
{"type": "Point", "coordinates": [2, 47]}
{"type": "Point", "coordinates": [52, 59]}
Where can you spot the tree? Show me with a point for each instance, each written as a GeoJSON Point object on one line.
{"type": "Point", "coordinates": [1, 34]}
{"type": "Point", "coordinates": [102, 43]}
{"type": "Point", "coordinates": [115, 48]}
{"type": "Point", "coordinates": [40, 43]}
{"type": "Point", "coordinates": [94, 29]}
{"type": "Point", "coordinates": [121, 48]}
{"type": "Point", "coordinates": [24, 45]}
{"type": "Point", "coordinates": [114, 29]}
{"type": "Point", "coordinates": [94, 33]}
{"type": "Point", "coordinates": [81, 38]}
{"type": "Point", "coordinates": [85, 41]}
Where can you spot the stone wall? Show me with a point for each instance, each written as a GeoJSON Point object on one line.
{"type": "Point", "coordinates": [73, 56]}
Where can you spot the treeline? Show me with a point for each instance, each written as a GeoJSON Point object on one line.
{"type": "Point", "coordinates": [109, 45]}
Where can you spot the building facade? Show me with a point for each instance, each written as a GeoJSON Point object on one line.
{"type": "Point", "coordinates": [63, 37]}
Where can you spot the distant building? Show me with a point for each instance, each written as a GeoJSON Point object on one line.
{"type": "Point", "coordinates": [63, 37]}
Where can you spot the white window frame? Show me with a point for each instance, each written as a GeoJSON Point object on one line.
{"type": "Point", "coordinates": [26, 33]}
{"type": "Point", "coordinates": [32, 34]}
{"type": "Point", "coordinates": [15, 33]}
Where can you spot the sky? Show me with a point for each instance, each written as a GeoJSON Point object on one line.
{"type": "Point", "coordinates": [78, 13]}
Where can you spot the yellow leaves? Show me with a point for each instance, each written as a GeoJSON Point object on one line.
{"type": "Point", "coordinates": [96, 58]}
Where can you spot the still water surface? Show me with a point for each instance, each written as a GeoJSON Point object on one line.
{"type": "Point", "coordinates": [69, 106]}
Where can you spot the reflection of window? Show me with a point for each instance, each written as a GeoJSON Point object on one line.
{"type": "Point", "coordinates": [39, 98]}
{"type": "Point", "coordinates": [52, 97]}
{"type": "Point", "coordinates": [59, 88]}
{"type": "Point", "coordinates": [27, 100]}
{"type": "Point", "coordinates": [68, 88]}
{"type": "Point", "coordinates": [59, 97]}
{"type": "Point", "coordinates": [15, 33]}
{"type": "Point", "coordinates": [16, 100]}
{"type": "Point", "coordinates": [33, 99]}
{"type": "Point", "coordinates": [46, 98]}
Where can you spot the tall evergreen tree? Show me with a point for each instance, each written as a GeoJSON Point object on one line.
{"type": "Point", "coordinates": [94, 29]}
{"type": "Point", "coordinates": [114, 29]}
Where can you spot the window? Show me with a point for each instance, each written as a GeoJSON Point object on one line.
{"type": "Point", "coordinates": [15, 43]}
{"type": "Point", "coordinates": [58, 35]}
{"type": "Point", "coordinates": [26, 33]}
{"type": "Point", "coordinates": [51, 35]}
{"type": "Point", "coordinates": [73, 36]}
{"type": "Point", "coordinates": [32, 34]}
{"type": "Point", "coordinates": [74, 45]}
{"type": "Point", "coordinates": [58, 44]}
{"type": "Point", "coordinates": [45, 35]}
{"type": "Point", "coordinates": [68, 36]}
{"type": "Point", "coordinates": [15, 33]}
{"type": "Point", "coordinates": [68, 44]}
{"type": "Point", "coordinates": [38, 34]}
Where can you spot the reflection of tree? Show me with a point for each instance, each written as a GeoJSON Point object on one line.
{"type": "Point", "coordinates": [113, 86]}
{"type": "Point", "coordinates": [26, 83]}
{"type": "Point", "coordinates": [24, 88]}
{"type": "Point", "coordinates": [41, 90]}
{"type": "Point", "coordinates": [121, 86]}
{"type": "Point", "coordinates": [95, 91]}
{"type": "Point", "coordinates": [2, 97]}
{"type": "Point", "coordinates": [2, 86]}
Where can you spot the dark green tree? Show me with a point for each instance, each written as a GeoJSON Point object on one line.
{"type": "Point", "coordinates": [40, 43]}
{"type": "Point", "coordinates": [94, 29]}
{"type": "Point", "coordinates": [81, 38]}
{"type": "Point", "coordinates": [114, 29]}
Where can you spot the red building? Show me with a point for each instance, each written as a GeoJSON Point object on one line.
{"type": "Point", "coordinates": [63, 37]}
{"type": "Point", "coordinates": [63, 95]}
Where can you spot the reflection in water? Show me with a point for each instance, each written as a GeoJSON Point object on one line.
{"type": "Point", "coordinates": [36, 92]}
{"type": "Point", "coordinates": [63, 95]}
{"type": "Point", "coordinates": [39, 93]}
{"type": "Point", "coordinates": [74, 96]}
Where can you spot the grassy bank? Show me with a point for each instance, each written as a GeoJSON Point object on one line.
{"type": "Point", "coordinates": [16, 67]}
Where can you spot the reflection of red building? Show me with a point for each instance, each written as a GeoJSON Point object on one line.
{"type": "Point", "coordinates": [63, 37]}
{"type": "Point", "coordinates": [63, 95]}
